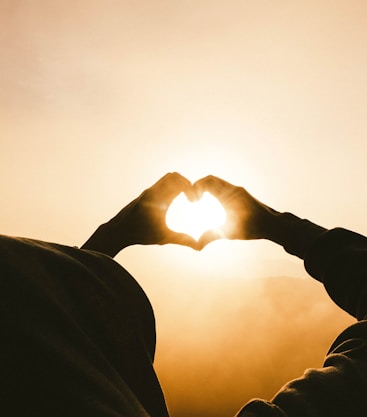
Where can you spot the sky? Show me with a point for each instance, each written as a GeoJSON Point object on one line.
{"type": "Point", "coordinates": [99, 99]}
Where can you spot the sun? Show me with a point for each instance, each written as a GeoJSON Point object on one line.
{"type": "Point", "coordinates": [194, 218]}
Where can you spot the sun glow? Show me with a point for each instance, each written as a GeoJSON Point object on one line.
{"type": "Point", "coordinates": [194, 218]}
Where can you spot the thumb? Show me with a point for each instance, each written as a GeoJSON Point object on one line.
{"type": "Point", "coordinates": [207, 237]}
{"type": "Point", "coordinates": [185, 240]}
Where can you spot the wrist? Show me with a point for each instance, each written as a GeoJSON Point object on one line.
{"type": "Point", "coordinates": [105, 240]}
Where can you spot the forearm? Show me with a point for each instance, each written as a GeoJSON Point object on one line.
{"type": "Point", "coordinates": [336, 257]}
{"type": "Point", "coordinates": [103, 240]}
{"type": "Point", "coordinates": [294, 234]}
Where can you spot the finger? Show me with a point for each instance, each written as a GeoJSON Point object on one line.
{"type": "Point", "coordinates": [191, 195]}
{"type": "Point", "coordinates": [208, 237]}
{"type": "Point", "coordinates": [183, 239]}
{"type": "Point", "coordinates": [172, 184]}
{"type": "Point", "coordinates": [214, 185]}
{"type": "Point", "coordinates": [171, 176]}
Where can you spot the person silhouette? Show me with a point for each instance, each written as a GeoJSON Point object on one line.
{"type": "Point", "coordinates": [78, 332]}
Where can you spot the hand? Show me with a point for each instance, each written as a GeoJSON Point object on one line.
{"type": "Point", "coordinates": [143, 221]}
{"type": "Point", "coordinates": [247, 218]}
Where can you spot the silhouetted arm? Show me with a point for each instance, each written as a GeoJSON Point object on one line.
{"type": "Point", "coordinates": [143, 221]}
{"type": "Point", "coordinates": [337, 258]}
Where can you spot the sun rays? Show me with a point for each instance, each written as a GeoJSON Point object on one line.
{"type": "Point", "coordinates": [194, 218]}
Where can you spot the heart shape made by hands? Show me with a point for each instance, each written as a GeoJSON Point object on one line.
{"type": "Point", "coordinates": [194, 218]}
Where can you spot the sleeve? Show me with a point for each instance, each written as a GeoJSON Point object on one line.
{"type": "Point", "coordinates": [77, 335]}
{"type": "Point", "coordinates": [338, 259]}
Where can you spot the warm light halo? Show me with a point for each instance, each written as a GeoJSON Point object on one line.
{"type": "Point", "coordinates": [194, 218]}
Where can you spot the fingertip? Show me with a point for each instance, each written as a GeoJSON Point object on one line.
{"type": "Point", "coordinates": [202, 243]}
{"type": "Point", "coordinates": [200, 246]}
{"type": "Point", "coordinates": [175, 177]}
{"type": "Point", "coordinates": [186, 240]}
{"type": "Point", "coordinates": [208, 237]}
{"type": "Point", "coordinates": [172, 184]}
{"type": "Point", "coordinates": [192, 194]}
{"type": "Point", "coordinates": [209, 183]}
{"type": "Point", "coordinates": [183, 182]}
{"type": "Point", "coordinates": [176, 174]}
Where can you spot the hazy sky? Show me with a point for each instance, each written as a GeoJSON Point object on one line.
{"type": "Point", "coordinates": [99, 99]}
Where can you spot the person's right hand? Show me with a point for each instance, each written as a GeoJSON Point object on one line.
{"type": "Point", "coordinates": [143, 221]}
{"type": "Point", "coordinates": [247, 218]}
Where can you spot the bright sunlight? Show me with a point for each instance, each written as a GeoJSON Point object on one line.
{"type": "Point", "coordinates": [194, 218]}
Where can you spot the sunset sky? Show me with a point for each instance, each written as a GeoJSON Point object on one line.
{"type": "Point", "coordinates": [99, 99]}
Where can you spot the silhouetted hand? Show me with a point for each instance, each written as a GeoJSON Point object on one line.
{"type": "Point", "coordinates": [143, 221]}
{"type": "Point", "coordinates": [247, 218]}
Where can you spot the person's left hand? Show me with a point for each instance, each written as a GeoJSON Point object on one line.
{"type": "Point", "coordinates": [143, 221]}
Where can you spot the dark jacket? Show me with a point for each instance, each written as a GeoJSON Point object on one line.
{"type": "Point", "coordinates": [77, 335]}
{"type": "Point", "coordinates": [337, 258]}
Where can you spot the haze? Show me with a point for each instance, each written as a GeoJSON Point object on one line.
{"type": "Point", "coordinates": [99, 99]}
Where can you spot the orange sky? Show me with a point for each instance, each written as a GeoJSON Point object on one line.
{"type": "Point", "coordinates": [98, 99]}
